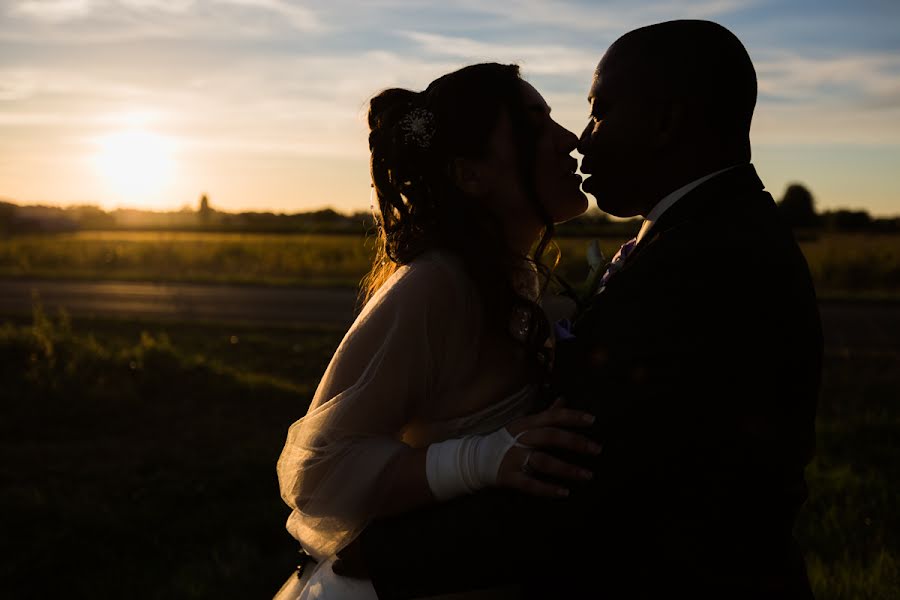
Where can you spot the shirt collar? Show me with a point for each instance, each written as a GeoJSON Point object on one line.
{"type": "Point", "coordinates": [667, 202]}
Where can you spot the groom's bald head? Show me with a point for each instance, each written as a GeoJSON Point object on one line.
{"type": "Point", "coordinates": [697, 64]}
{"type": "Point", "coordinates": [670, 103]}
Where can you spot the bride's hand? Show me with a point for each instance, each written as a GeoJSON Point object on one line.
{"type": "Point", "coordinates": [525, 465]}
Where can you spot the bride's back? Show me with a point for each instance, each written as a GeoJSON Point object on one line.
{"type": "Point", "coordinates": [476, 378]}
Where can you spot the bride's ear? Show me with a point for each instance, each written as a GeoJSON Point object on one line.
{"type": "Point", "coordinates": [468, 177]}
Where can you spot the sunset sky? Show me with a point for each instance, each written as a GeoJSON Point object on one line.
{"type": "Point", "coordinates": [260, 103]}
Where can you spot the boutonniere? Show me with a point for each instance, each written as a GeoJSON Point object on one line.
{"type": "Point", "coordinates": [597, 264]}
{"type": "Point", "coordinates": [582, 293]}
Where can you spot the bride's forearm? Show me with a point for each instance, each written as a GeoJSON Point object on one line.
{"type": "Point", "coordinates": [417, 477]}
{"type": "Point", "coordinates": [405, 485]}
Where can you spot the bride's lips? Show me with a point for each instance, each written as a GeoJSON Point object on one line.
{"type": "Point", "coordinates": [568, 171]}
{"type": "Point", "coordinates": [572, 178]}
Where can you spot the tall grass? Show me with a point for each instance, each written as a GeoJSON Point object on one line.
{"type": "Point", "coordinates": [268, 259]}
{"type": "Point", "coordinates": [843, 264]}
{"type": "Point", "coordinates": [850, 526]}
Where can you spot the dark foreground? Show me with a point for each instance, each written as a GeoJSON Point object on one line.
{"type": "Point", "coordinates": [139, 455]}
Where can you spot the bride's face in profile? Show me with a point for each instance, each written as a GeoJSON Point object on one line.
{"type": "Point", "coordinates": [557, 185]}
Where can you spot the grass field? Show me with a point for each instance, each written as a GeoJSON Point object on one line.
{"type": "Point", "coordinates": [141, 455]}
{"type": "Point", "coordinates": [139, 461]}
{"type": "Point", "coordinates": [261, 259]}
{"type": "Point", "coordinates": [842, 264]}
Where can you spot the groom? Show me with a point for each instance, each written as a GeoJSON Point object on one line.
{"type": "Point", "coordinates": [700, 357]}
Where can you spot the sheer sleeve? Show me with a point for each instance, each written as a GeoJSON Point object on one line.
{"type": "Point", "coordinates": [387, 370]}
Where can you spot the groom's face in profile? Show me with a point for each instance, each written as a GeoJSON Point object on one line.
{"type": "Point", "coordinates": [619, 142]}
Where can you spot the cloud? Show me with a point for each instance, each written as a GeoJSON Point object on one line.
{"type": "Point", "coordinates": [841, 99]}
{"type": "Point", "coordinates": [167, 6]}
{"type": "Point", "coordinates": [607, 18]}
{"type": "Point", "coordinates": [16, 84]}
{"type": "Point", "coordinates": [862, 80]}
{"type": "Point", "coordinates": [799, 124]}
{"type": "Point", "coordinates": [309, 105]}
{"type": "Point", "coordinates": [113, 21]}
{"type": "Point", "coordinates": [535, 58]}
{"type": "Point", "coordinates": [314, 105]}
{"type": "Point", "coordinates": [52, 11]}
{"type": "Point", "coordinates": [31, 83]}
{"type": "Point", "coordinates": [259, 80]}
{"type": "Point", "coordinates": [299, 17]}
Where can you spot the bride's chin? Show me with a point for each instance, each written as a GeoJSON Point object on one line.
{"type": "Point", "coordinates": [574, 187]}
{"type": "Point", "coordinates": [574, 206]}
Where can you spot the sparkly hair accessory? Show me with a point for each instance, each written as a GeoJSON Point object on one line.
{"type": "Point", "coordinates": [418, 127]}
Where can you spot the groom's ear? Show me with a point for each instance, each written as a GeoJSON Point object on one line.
{"type": "Point", "coordinates": [468, 177]}
{"type": "Point", "coordinates": [672, 123]}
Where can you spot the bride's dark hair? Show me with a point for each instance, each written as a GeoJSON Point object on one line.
{"type": "Point", "coordinates": [414, 139]}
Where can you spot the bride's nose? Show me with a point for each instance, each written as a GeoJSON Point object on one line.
{"type": "Point", "coordinates": [568, 141]}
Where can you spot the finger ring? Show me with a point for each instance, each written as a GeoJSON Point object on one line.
{"type": "Point", "coordinates": [526, 464]}
{"type": "Point", "coordinates": [519, 444]}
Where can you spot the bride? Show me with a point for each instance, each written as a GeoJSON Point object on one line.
{"type": "Point", "coordinates": [431, 392]}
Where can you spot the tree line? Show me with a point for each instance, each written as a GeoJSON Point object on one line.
{"type": "Point", "coordinates": [47, 219]}
{"type": "Point", "coordinates": [797, 207]}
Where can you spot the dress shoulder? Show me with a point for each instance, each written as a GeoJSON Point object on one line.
{"type": "Point", "coordinates": [435, 277]}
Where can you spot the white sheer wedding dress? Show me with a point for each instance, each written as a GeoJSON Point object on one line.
{"type": "Point", "coordinates": [418, 365]}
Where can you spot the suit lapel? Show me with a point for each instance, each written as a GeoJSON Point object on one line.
{"type": "Point", "coordinates": [738, 180]}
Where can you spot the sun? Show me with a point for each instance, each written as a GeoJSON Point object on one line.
{"type": "Point", "coordinates": [137, 165]}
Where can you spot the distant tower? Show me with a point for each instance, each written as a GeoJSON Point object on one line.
{"type": "Point", "coordinates": [205, 211]}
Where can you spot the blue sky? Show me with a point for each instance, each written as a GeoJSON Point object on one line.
{"type": "Point", "coordinates": [260, 103]}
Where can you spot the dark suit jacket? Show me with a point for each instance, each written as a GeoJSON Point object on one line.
{"type": "Point", "coordinates": [701, 360]}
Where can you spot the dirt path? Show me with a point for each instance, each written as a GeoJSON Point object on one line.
{"type": "Point", "coordinates": [182, 301]}
{"type": "Point", "coordinates": [849, 326]}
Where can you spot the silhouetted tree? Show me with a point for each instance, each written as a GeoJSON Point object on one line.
{"type": "Point", "coordinates": [848, 220]}
{"type": "Point", "coordinates": [797, 207]}
{"type": "Point", "coordinates": [886, 225]}
{"type": "Point", "coordinates": [92, 217]}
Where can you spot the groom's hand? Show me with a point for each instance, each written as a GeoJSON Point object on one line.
{"type": "Point", "coordinates": [527, 466]}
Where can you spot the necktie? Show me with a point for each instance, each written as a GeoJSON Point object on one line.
{"type": "Point", "coordinates": [618, 261]}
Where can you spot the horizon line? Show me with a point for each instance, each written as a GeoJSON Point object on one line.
{"type": "Point", "coordinates": [592, 209]}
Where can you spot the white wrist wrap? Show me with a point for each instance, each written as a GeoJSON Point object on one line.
{"type": "Point", "coordinates": [465, 465]}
